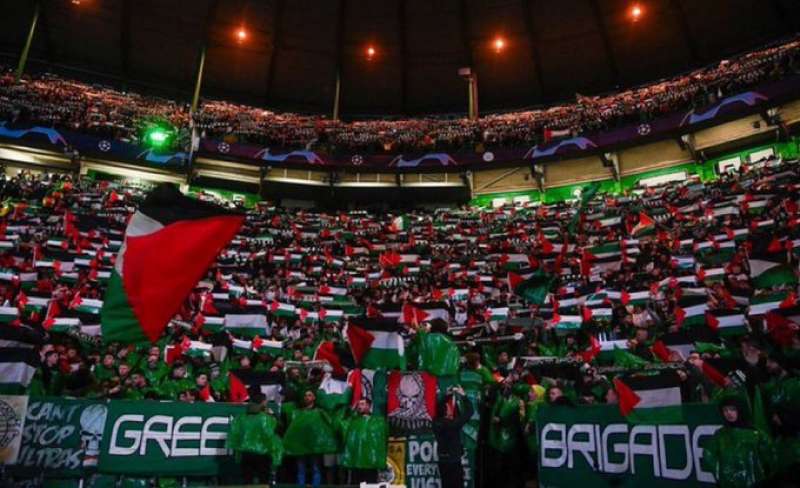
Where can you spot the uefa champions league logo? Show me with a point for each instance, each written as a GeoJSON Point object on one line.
{"type": "Point", "coordinates": [104, 145]}
{"type": "Point", "coordinates": [644, 129]}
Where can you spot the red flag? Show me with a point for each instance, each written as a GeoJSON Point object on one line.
{"type": "Point", "coordinates": [790, 301]}
{"type": "Point", "coordinates": [327, 352]}
{"type": "Point", "coordinates": [680, 316]}
{"type": "Point", "coordinates": [205, 394]}
{"type": "Point", "coordinates": [712, 321]}
{"type": "Point", "coordinates": [775, 246]}
{"type": "Point", "coordinates": [713, 374]}
{"type": "Point", "coordinates": [237, 391]}
{"type": "Point", "coordinates": [781, 329]}
{"type": "Point", "coordinates": [360, 341]}
{"type": "Point", "coordinates": [628, 399]}
{"type": "Point", "coordinates": [592, 351]}
{"type": "Point", "coordinates": [661, 351]}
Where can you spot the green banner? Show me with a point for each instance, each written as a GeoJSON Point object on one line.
{"type": "Point", "coordinates": [597, 446]}
{"type": "Point", "coordinates": [167, 438]}
{"type": "Point", "coordinates": [62, 437]}
{"type": "Point", "coordinates": [412, 461]}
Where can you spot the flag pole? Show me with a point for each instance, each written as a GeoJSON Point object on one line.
{"type": "Point", "coordinates": [199, 80]}
{"type": "Point", "coordinates": [23, 58]}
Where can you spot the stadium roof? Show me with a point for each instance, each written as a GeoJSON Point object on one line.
{"type": "Point", "coordinates": [553, 49]}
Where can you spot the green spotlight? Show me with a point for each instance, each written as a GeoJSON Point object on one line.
{"type": "Point", "coordinates": [157, 137]}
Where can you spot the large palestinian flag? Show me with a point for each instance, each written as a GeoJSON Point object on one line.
{"type": "Point", "coordinates": [169, 244]}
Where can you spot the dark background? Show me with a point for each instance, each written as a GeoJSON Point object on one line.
{"type": "Point", "coordinates": [289, 61]}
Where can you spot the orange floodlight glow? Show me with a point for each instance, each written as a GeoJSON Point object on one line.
{"type": "Point", "coordinates": [636, 12]}
{"type": "Point", "coordinates": [499, 44]}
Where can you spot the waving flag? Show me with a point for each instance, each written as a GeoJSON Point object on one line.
{"type": "Point", "coordinates": [169, 244]}
{"type": "Point", "coordinates": [647, 390]}
{"type": "Point", "coordinates": [376, 343]}
{"type": "Point", "coordinates": [534, 289]}
{"type": "Point", "coordinates": [645, 226]}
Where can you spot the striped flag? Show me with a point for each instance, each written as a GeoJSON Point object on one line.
{"type": "Point", "coordinates": [158, 266]}
{"type": "Point", "coordinates": [648, 390]}
{"type": "Point", "coordinates": [18, 359]}
{"type": "Point", "coordinates": [726, 321]}
{"type": "Point", "coordinates": [376, 343]}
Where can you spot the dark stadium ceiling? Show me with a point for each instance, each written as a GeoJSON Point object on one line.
{"type": "Point", "coordinates": [289, 60]}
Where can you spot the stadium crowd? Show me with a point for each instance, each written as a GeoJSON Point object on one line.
{"type": "Point", "coordinates": [567, 304]}
{"type": "Point", "coordinates": [52, 100]}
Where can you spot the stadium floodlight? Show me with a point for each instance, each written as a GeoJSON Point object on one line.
{"type": "Point", "coordinates": [636, 12]}
{"type": "Point", "coordinates": [158, 137]}
{"type": "Point", "coordinates": [241, 35]}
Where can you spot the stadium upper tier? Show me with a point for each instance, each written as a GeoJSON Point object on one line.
{"type": "Point", "coordinates": [64, 103]}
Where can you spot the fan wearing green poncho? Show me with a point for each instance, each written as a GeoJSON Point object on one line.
{"type": "Point", "coordinates": [252, 437]}
{"type": "Point", "coordinates": [438, 354]}
{"type": "Point", "coordinates": [365, 439]}
{"type": "Point", "coordinates": [536, 397]}
{"type": "Point", "coordinates": [310, 435]}
{"type": "Point", "coordinates": [505, 429]}
{"type": "Point", "coordinates": [737, 455]}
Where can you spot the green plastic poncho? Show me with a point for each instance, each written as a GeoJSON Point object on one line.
{"type": "Point", "coordinates": [531, 407]}
{"type": "Point", "coordinates": [255, 433]}
{"type": "Point", "coordinates": [365, 442]}
{"type": "Point", "coordinates": [438, 354]}
{"type": "Point", "coordinates": [503, 435]}
{"type": "Point", "coordinates": [310, 432]}
{"type": "Point", "coordinates": [738, 457]}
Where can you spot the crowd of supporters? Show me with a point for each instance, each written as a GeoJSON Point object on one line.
{"type": "Point", "coordinates": [52, 100]}
{"type": "Point", "coordinates": [561, 304]}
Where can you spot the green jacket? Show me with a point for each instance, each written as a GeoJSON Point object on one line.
{"type": "Point", "coordinates": [254, 432]}
{"type": "Point", "coordinates": [738, 457]}
{"type": "Point", "coordinates": [310, 431]}
{"type": "Point", "coordinates": [504, 435]}
{"type": "Point", "coordinates": [438, 354]}
{"type": "Point", "coordinates": [365, 442]}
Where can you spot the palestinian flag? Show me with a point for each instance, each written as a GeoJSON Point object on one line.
{"type": "Point", "coordinates": [190, 348]}
{"type": "Point", "coordinates": [645, 226]}
{"type": "Point", "coordinates": [767, 274]}
{"type": "Point", "coordinates": [376, 343]}
{"type": "Point", "coordinates": [566, 323]}
{"type": "Point", "coordinates": [283, 310]}
{"type": "Point", "coordinates": [648, 390]}
{"type": "Point", "coordinates": [245, 325]}
{"type": "Point", "coordinates": [782, 325]}
{"type": "Point", "coordinates": [417, 313]}
{"type": "Point", "coordinates": [333, 392]}
{"type": "Point", "coordinates": [761, 304]}
{"type": "Point", "coordinates": [681, 342]}
{"type": "Point", "coordinates": [497, 314]}
{"type": "Point", "coordinates": [18, 359]}
{"type": "Point", "coordinates": [631, 297]}
{"type": "Point", "coordinates": [61, 324]}
{"type": "Point", "coordinates": [8, 314]}
{"type": "Point", "coordinates": [691, 316]}
{"type": "Point", "coordinates": [534, 289]}
{"type": "Point", "coordinates": [726, 321]}
{"type": "Point", "coordinates": [244, 382]}
{"type": "Point", "coordinates": [169, 244]}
